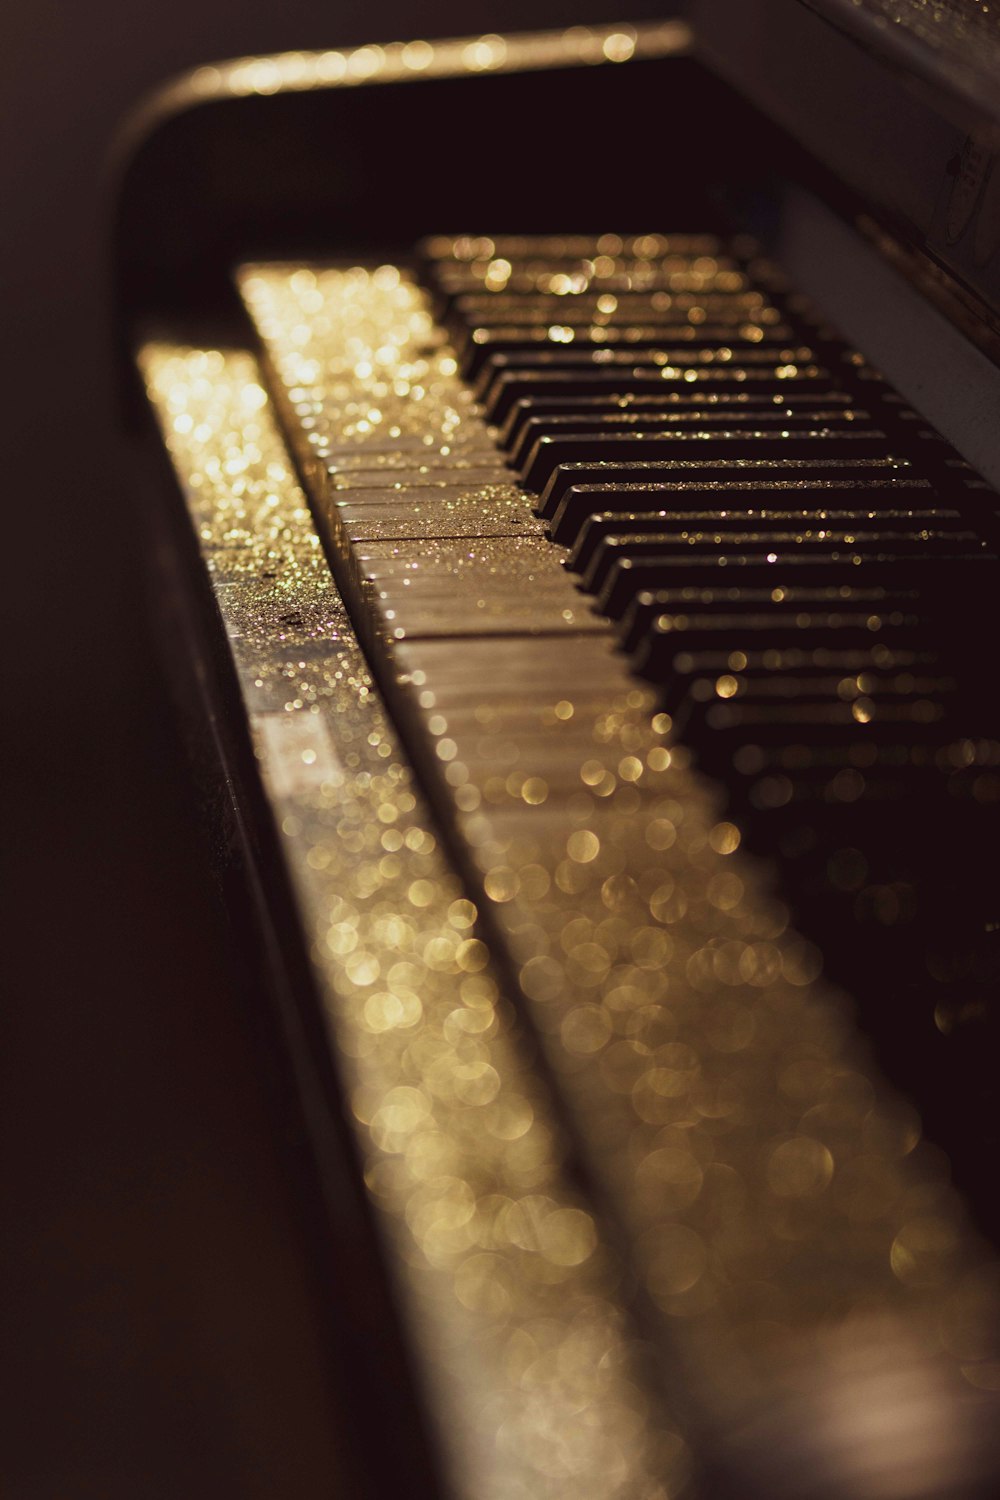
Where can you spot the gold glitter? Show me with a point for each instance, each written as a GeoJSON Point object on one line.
{"type": "Point", "coordinates": [408, 62]}
{"type": "Point", "coordinates": [505, 1281]}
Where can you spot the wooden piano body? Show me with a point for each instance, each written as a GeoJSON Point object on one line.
{"type": "Point", "coordinates": [548, 1278]}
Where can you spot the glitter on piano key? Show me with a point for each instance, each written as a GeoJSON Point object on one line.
{"type": "Point", "coordinates": [760, 1266]}
{"type": "Point", "coordinates": [507, 1281]}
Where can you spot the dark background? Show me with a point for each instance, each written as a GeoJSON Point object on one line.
{"type": "Point", "coordinates": [159, 1314]}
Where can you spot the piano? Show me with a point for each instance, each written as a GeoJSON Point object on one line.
{"type": "Point", "coordinates": [570, 464]}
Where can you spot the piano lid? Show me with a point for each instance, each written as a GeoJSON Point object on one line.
{"type": "Point", "coordinates": [953, 44]}
{"type": "Point", "coordinates": [899, 102]}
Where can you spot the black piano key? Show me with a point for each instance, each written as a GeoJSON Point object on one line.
{"type": "Point", "coordinates": [702, 417]}
{"type": "Point", "coordinates": [612, 313]}
{"type": "Point", "coordinates": [747, 468]}
{"type": "Point", "coordinates": [604, 524]}
{"type": "Point", "coordinates": [845, 816]}
{"type": "Point", "coordinates": [749, 442]}
{"type": "Point", "coordinates": [466, 248]}
{"type": "Point", "coordinates": [581, 501]}
{"type": "Point", "coordinates": [541, 258]}
{"type": "Point", "coordinates": [655, 650]}
{"type": "Point", "coordinates": [685, 362]}
{"type": "Point", "coordinates": [877, 690]}
{"type": "Point", "coordinates": [510, 385]}
{"type": "Point", "coordinates": [684, 354]}
{"type": "Point", "coordinates": [817, 818]}
{"type": "Point", "coordinates": [583, 408]}
{"type": "Point", "coordinates": [852, 662]}
{"type": "Point", "coordinates": [659, 310]}
{"type": "Point", "coordinates": [759, 546]}
{"type": "Point", "coordinates": [705, 676]}
{"type": "Point", "coordinates": [628, 577]}
{"type": "Point", "coordinates": [569, 281]}
{"type": "Point", "coordinates": [724, 726]}
{"type": "Point", "coordinates": [730, 604]}
{"type": "Point", "coordinates": [811, 710]}
{"type": "Point", "coordinates": [809, 766]}
{"type": "Point", "coordinates": [473, 304]}
{"type": "Point", "coordinates": [855, 795]}
{"type": "Point", "coordinates": [480, 346]}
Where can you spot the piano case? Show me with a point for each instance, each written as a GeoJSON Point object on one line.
{"type": "Point", "coordinates": [640, 1033]}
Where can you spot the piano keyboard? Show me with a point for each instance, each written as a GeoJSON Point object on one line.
{"type": "Point", "coordinates": [653, 576]}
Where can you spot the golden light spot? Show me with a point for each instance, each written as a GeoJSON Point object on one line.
{"type": "Point", "coordinates": [799, 1168]}
{"type": "Point", "coordinates": [462, 914]}
{"type": "Point", "coordinates": [472, 956]}
{"type": "Point", "coordinates": [502, 883]}
{"type": "Point", "coordinates": [583, 846]}
{"type": "Point", "coordinates": [387, 1010]}
{"type": "Point", "coordinates": [724, 838]}
{"type": "Point", "coordinates": [661, 833]}
{"type": "Point", "coordinates": [362, 968]}
{"type": "Point", "coordinates": [421, 893]}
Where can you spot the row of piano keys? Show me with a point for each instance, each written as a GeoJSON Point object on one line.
{"type": "Point", "coordinates": [769, 580]}
{"type": "Point", "coordinates": [804, 571]}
